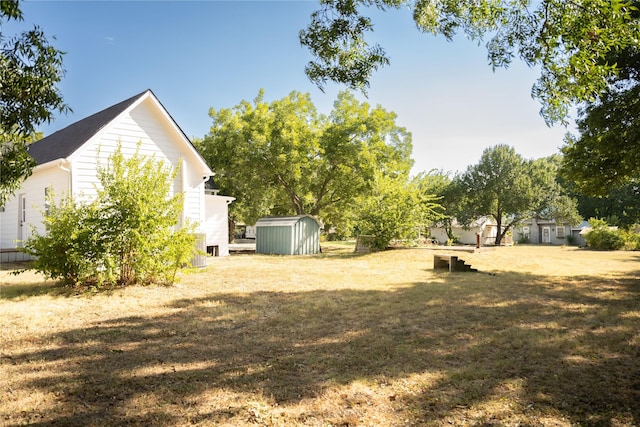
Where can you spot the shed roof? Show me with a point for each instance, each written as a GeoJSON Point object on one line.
{"type": "Point", "coordinates": [282, 221]}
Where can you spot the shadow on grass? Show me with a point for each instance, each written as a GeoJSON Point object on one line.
{"type": "Point", "coordinates": [57, 289]}
{"type": "Point", "coordinates": [570, 351]}
{"type": "Point", "coordinates": [24, 290]}
{"type": "Point", "coordinates": [634, 258]}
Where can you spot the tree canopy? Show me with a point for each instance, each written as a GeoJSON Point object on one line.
{"type": "Point", "coordinates": [605, 156]}
{"type": "Point", "coordinates": [568, 40]}
{"type": "Point", "coordinates": [620, 207]}
{"type": "Point", "coordinates": [283, 157]}
{"type": "Point", "coordinates": [398, 209]}
{"type": "Point", "coordinates": [449, 194]}
{"type": "Point", "coordinates": [30, 69]}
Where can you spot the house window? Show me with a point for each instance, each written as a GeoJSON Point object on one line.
{"type": "Point", "coordinates": [525, 232]}
{"type": "Point", "coordinates": [560, 231]}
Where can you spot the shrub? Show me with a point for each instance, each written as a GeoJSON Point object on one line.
{"type": "Point", "coordinates": [396, 210]}
{"type": "Point", "coordinates": [70, 251]}
{"type": "Point", "coordinates": [128, 235]}
{"type": "Point", "coordinates": [139, 219]}
{"type": "Point", "coordinates": [603, 237]}
{"type": "Point", "coordinates": [632, 240]}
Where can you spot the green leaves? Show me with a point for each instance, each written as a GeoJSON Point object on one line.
{"type": "Point", "coordinates": [283, 157]}
{"type": "Point", "coordinates": [568, 41]}
{"type": "Point", "coordinates": [15, 164]}
{"type": "Point", "coordinates": [30, 70]}
{"type": "Point", "coordinates": [70, 250]}
{"type": "Point", "coordinates": [396, 209]}
{"type": "Point", "coordinates": [606, 153]}
{"type": "Point", "coordinates": [335, 37]}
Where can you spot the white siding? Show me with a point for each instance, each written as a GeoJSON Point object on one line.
{"type": "Point", "coordinates": [9, 223]}
{"type": "Point", "coordinates": [146, 127]}
{"type": "Point", "coordinates": [33, 190]}
{"type": "Point", "coordinates": [465, 237]}
{"type": "Point", "coordinates": [147, 124]}
{"type": "Point", "coordinates": [215, 225]}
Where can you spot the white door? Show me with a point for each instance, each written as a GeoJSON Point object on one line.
{"type": "Point", "coordinates": [546, 234]}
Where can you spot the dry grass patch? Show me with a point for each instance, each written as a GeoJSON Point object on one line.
{"type": "Point", "coordinates": [550, 337]}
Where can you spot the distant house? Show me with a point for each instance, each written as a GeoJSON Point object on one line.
{"type": "Point", "coordinates": [467, 235]}
{"type": "Point", "coordinates": [66, 164]}
{"type": "Point", "coordinates": [550, 232]}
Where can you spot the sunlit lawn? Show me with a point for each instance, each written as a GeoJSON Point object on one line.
{"type": "Point", "coordinates": [542, 336]}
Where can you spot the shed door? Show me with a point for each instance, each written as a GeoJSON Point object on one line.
{"type": "Point", "coordinates": [546, 235]}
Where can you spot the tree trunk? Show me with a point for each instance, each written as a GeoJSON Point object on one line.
{"type": "Point", "coordinates": [448, 228]}
{"type": "Point", "coordinates": [499, 236]}
{"type": "Point", "coordinates": [499, 227]}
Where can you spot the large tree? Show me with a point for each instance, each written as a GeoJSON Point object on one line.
{"type": "Point", "coordinates": [508, 188]}
{"type": "Point", "coordinates": [568, 40]}
{"type": "Point", "coordinates": [285, 158]}
{"type": "Point", "coordinates": [620, 207]}
{"type": "Point", "coordinates": [30, 69]}
{"type": "Point", "coordinates": [551, 198]}
{"type": "Point", "coordinates": [605, 156]}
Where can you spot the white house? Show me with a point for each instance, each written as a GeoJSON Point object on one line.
{"type": "Point", "coordinates": [66, 164]}
{"type": "Point", "coordinates": [467, 235]}
{"type": "Point", "coordinates": [216, 221]}
{"type": "Point", "coordinates": [539, 231]}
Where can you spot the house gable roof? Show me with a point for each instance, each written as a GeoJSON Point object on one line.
{"type": "Point", "coordinates": [66, 141]}
{"type": "Point", "coordinates": [210, 186]}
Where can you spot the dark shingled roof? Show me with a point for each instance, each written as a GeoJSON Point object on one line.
{"type": "Point", "coordinates": [63, 143]}
{"type": "Point", "coordinates": [210, 185]}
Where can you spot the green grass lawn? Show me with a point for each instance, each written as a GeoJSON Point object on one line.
{"type": "Point", "coordinates": [541, 336]}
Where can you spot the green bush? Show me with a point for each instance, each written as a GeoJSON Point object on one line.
{"type": "Point", "coordinates": [632, 240]}
{"type": "Point", "coordinates": [396, 211]}
{"type": "Point", "coordinates": [70, 250]}
{"type": "Point", "coordinates": [602, 237]}
{"type": "Point", "coordinates": [128, 235]}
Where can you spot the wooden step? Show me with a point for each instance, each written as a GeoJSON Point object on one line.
{"type": "Point", "coordinates": [451, 263]}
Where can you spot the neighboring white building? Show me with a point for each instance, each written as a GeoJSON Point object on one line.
{"type": "Point", "coordinates": [467, 235]}
{"type": "Point", "coordinates": [216, 222]}
{"type": "Point", "coordinates": [66, 164]}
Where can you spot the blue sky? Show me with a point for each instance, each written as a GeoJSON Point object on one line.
{"type": "Point", "coordinates": [200, 54]}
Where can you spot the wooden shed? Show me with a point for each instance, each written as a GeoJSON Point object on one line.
{"type": "Point", "coordinates": [288, 235]}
